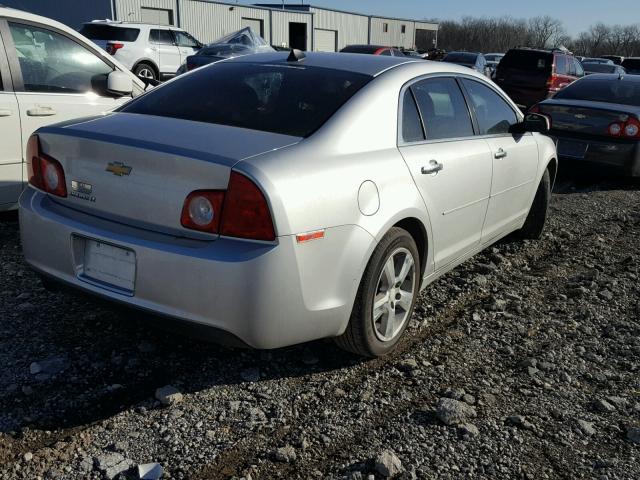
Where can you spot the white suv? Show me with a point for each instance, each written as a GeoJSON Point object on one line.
{"type": "Point", "coordinates": [48, 74]}
{"type": "Point", "coordinates": [150, 51]}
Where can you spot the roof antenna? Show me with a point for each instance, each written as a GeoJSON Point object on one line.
{"type": "Point", "coordinates": [296, 55]}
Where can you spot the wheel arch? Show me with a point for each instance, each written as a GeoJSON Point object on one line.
{"type": "Point", "coordinates": [419, 233]}
{"type": "Point", "coordinates": [149, 62]}
{"type": "Point", "coordinates": [552, 166]}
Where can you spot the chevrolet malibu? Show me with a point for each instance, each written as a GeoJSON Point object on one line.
{"type": "Point", "coordinates": [279, 199]}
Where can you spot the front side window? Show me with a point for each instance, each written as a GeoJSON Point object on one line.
{"type": "Point", "coordinates": [161, 37]}
{"type": "Point", "coordinates": [443, 109]}
{"type": "Point", "coordinates": [269, 98]}
{"type": "Point", "coordinates": [493, 113]}
{"type": "Point", "coordinates": [185, 40]}
{"type": "Point", "coordinates": [51, 62]}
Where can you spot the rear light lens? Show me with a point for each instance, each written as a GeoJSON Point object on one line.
{"type": "Point", "coordinates": [632, 128]}
{"type": "Point", "coordinates": [112, 48]}
{"type": "Point", "coordinates": [202, 210]}
{"type": "Point", "coordinates": [246, 212]}
{"type": "Point", "coordinates": [242, 211]}
{"type": "Point", "coordinates": [45, 172]}
{"type": "Point", "coordinates": [615, 129]}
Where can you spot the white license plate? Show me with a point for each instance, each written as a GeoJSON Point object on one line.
{"type": "Point", "coordinates": [110, 265]}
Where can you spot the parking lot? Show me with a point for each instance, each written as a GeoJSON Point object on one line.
{"type": "Point", "coordinates": [539, 340]}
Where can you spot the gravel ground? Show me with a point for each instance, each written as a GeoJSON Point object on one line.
{"type": "Point", "coordinates": [523, 363]}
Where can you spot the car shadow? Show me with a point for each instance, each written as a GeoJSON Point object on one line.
{"type": "Point", "coordinates": [578, 179]}
{"type": "Point", "coordinates": [69, 360]}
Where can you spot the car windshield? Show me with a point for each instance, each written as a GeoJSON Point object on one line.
{"type": "Point", "coordinates": [493, 58]}
{"type": "Point", "coordinates": [603, 89]}
{"type": "Point", "coordinates": [464, 58]}
{"type": "Point", "coordinates": [360, 49]}
{"type": "Point", "coordinates": [528, 60]}
{"type": "Point", "coordinates": [271, 98]}
{"type": "Point", "coordinates": [224, 50]}
{"type": "Point", "coordinates": [631, 64]}
{"type": "Point", "coordinates": [108, 32]}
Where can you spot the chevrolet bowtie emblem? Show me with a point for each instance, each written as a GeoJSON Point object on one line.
{"type": "Point", "coordinates": [118, 168]}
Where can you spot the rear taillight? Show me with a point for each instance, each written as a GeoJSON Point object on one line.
{"type": "Point", "coordinates": [242, 211]}
{"type": "Point", "coordinates": [113, 47]}
{"type": "Point", "coordinates": [628, 129]}
{"type": "Point", "coordinates": [551, 82]}
{"type": "Point", "coordinates": [246, 212]}
{"type": "Point", "coordinates": [45, 172]}
{"type": "Point", "coordinates": [202, 210]}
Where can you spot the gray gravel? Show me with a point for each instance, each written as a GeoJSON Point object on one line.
{"type": "Point", "coordinates": [522, 363]}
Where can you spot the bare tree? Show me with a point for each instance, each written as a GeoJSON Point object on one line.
{"type": "Point", "coordinates": [543, 29]}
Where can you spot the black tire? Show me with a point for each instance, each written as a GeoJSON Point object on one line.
{"type": "Point", "coordinates": [145, 71]}
{"type": "Point", "coordinates": [537, 218]}
{"type": "Point", "coordinates": [360, 337]}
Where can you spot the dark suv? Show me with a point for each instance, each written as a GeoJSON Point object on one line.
{"type": "Point", "coordinates": [529, 75]}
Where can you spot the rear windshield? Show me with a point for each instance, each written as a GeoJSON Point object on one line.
{"type": "Point", "coordinates": [108, 32]}
{"type": "Point", "coordinates": [360, 49]}
{"type": "Point", "coordinates": [461, 58]}
{"type": "Point", "coordinates": [631, 64]}
{"type": "Point", "coordinates": [285, 99]}
{"type": "Point", "coordinates": [603, 89]}
{"type": "Point", "coordinates": [531, 61]}
{"type": "Point", "coordinates": [599, 67]}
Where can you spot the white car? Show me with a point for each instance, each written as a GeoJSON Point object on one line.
{"type": "Point", "coordinates": [48, 74]}
{"type": "Point", "coordinates": [150, 51]}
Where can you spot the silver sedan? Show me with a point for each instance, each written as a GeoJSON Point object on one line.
{"type": "Point", "coordinates": [276, 199]}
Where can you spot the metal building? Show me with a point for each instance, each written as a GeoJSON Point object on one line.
{"type": "Point", "coordinates": [298, 26]}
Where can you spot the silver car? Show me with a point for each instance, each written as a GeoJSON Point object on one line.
{"type": "Point", "coordinates": [278, 199]}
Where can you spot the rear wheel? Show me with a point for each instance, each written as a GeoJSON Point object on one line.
{"type": "Point", "coordinates": [386, 297]}
{"type": "Point", "coordinates": [537, 218]}
{"type": "Point", "coordinates": [145, 71]}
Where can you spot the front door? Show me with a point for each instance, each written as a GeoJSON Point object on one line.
{"type": "Point", "coordinates": [187, 45]}
{"type": "Point", "coordinates": [55, 78]}
{"type": "Point", "coordinates": [10, 138]}
{"type": "Point", "coordinates": [450, 166]}
{"type": "Point", "coordinates": [515, 159]}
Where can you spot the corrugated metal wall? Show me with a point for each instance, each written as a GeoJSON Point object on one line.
{"type": "Point", "coordinates": [209, 21]}
{"type": "Point", "coordinates": [394, 36]}
{"type": "Point", "coordinates": [280, 25]}
{"type": "Point", "coordinates": [72, 13]}
{"type": "Point", "coordinates": [352, 29]}
{"type": "Point", "coordinates": [129, 10]}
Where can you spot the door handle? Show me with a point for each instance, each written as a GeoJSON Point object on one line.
{"type": "Point", "coordinates": [5, 112]}
{"type": "Point", "coordinates": [41, 112]}
{"type": "Point", "coordinates": [500, 154]}
{"type": "Point", "coordinates": [434, 167]}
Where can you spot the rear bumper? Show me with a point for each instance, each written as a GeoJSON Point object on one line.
{"type": "Point", "coordinates": [266, 295]}
{"type": "Point", "coordinates": [618, 157]}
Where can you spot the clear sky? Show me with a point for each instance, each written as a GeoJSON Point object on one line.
{"type": "Point", "coordinates": [577, 15]}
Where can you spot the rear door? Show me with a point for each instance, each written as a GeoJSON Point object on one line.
{"type": "Point", "coordinates": [10, 135]}
{"type": "Point", "coordinates": [55, 78]}
{"type": "Point", "coordinates": [514, 158]}
{"type": "Point", "coordinates": [187, 45]}
{"type": "Point", "coordinates": [450, 166]}
{"type": "Point", "coordinates": [168, 53]}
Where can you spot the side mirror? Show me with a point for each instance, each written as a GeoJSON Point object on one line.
{"type": "Point", "coordinates": [533, 123]}
{"type": "Point", "coordinates": [119, 83]}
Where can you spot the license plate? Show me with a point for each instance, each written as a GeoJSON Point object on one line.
{"type": "Point", "coordinates": [110, 265]}
{"type": "Point", "coordinates": [567, 148]}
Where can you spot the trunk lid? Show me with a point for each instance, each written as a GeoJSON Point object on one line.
{"type": "Point", "coordinates": [138, 169]}
{"type": "Point", "coordinates": [587, 118]}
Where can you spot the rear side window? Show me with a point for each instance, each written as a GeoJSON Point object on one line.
{"type": "Point", "coordinates": [109, 32]}
{"type": "Point", "coordinates": [626, 92]}
{"type": "Point", "coordinates": [493, 114]}
{"type": "Point", "coordinates": [161, 37]}
{"type": "Point", "coordinates": [411, 123]}
{"type": "Point", "coordinates": [528, 60]}
{"type": "Point", "coordinates": [443, 109]}
{"type": "Point", "coordinates": [270, 98]}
